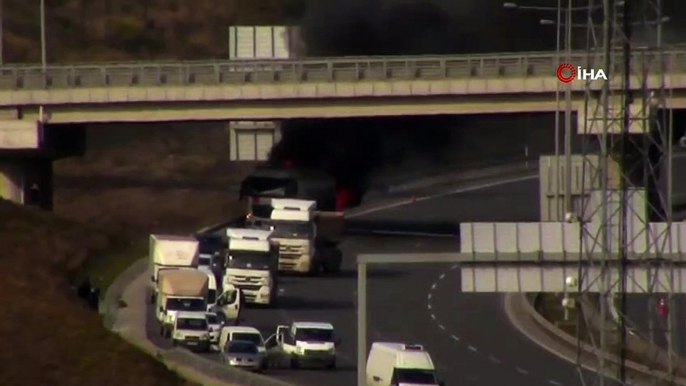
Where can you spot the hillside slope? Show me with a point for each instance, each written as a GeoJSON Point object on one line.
{"type": "Point", "coordinates": [106, 30]}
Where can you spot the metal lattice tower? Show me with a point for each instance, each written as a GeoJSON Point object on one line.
{"type": "Point", "coordinates": [627, 161]}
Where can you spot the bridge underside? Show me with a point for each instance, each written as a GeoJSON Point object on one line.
{"type": "Point", "coordinates": [304, 108]}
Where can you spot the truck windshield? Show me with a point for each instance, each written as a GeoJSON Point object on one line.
{"type": "Point", "coordinates": [289, 228]}
{"type": "Point", "coordinates": [413, 376]}
{"type": "Point", "coordinates": [314, 335]}
{"type": "Point", "coordinates": [247, 336]}
{"type": "Point", "coordinates": [250, 260]}
{"type": "Point", "coordinates": [185, 304]}
{"type": "Point", "coordinates": [191, 324]}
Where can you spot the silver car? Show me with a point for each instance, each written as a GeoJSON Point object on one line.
{"type": "Point", "coordinates": [244, 354]}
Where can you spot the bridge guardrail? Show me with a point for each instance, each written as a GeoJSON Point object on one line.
{"type": "Point", "coordinates": [246, 72]}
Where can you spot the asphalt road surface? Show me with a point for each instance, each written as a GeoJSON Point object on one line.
{"type": "Point", "coordinates": [468, 335]}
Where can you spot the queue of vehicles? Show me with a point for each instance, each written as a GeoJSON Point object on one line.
{"type": "Point", "coordinates": [199, 285]}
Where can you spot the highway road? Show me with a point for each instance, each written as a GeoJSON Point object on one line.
{"type": "Point", "coordinates": [468, 335]}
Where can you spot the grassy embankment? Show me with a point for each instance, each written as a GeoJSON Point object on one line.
{"type": "Point", "coordinates": [130, 184]}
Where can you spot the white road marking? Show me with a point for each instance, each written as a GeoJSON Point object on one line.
{"type": "Point", "coordinates": [472, 348]}
{"type": "Point", "coordinates": [428, 306]}
{"type": "Point", "coordinates": [455, 338]}
{"type": "Point", "coordinates": [442, 276]}
{"type": "Point", "coordinates": [553, 382]}
{"type": "Point", "coordinates": [442, 327]}
{"type": "Point", "coordinates": [494, 359]}
{"type": "Point", "coordinates": [433, 286]}
{"type": "Point", "coordinates": [428, 296]}
{"type": "Point", "coordinates": [455, 266]}
{"type": "Point", "coordinates": [444, 194]}
{"type": "Point", "coordinates": [522, 371]}
{"type": "Point", "coordinates": [433, 316]}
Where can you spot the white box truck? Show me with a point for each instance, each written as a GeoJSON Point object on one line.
{"type": "Point", "coordinates": [392, 364]}
{"type": "Point", "coordinates": [252, 265]}
{"type": "Point", "coordinates": [180, 290]}
{"type": "Point", "coordinates": [301, 249]}
{"type": "Point", "coordinates": [170, 252]}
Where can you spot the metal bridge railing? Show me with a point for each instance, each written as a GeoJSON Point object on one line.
{"type": "Point", "coordinates": [514, 65]}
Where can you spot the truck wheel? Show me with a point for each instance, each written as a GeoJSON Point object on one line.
{"type": "Point", "coordinates": [332, 365]}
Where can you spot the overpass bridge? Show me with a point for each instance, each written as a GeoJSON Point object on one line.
{"type": "Point", "coordinates": [325, 87]}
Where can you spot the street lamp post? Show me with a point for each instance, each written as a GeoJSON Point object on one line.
{"type": "Point", "coordinates": [568, 204]}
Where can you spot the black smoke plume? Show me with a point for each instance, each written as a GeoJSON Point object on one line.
{"type": "Point", "coordinates": [350, 149]}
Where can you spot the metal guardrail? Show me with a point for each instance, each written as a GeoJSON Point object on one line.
{"type": "Point", "coordinates": [512, 65]}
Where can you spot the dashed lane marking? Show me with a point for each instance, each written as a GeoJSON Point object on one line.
{"type": "Point", "coordinates": [456, 338]}
{"type": "Point", "coordinates": [554, 382]}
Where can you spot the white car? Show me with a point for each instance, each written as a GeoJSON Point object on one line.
{"type": "Point", "coordinates": [214, 327]}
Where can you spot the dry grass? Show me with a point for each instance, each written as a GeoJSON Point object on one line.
{"type": "Point", "coordinates": [104, 213]}
{"type": "Point", "coordinates": [110, 30]}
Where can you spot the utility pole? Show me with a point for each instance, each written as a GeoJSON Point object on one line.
{"type": "Point", "coordinates": [42, 36]}
{"type": "Point", "coordinates": [558, 28]}
{"type": "Point", "coordinates": [569, 205]}
{"type": "Point", "coordinates": [2, 38]}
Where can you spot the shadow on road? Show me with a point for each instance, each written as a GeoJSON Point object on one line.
{"type": "Point", "coordinates": [292, 303]}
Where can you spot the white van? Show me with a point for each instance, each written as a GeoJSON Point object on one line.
{"type": "Point", "coordinates": [394, 364]}
{"type": "Point", "coordinates": [251, 334]}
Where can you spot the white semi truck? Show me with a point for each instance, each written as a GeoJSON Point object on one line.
{"type": "Point", "coordinates": [170, 252]}
{"type": "Point", "coordinates": [252, 265]}
{"type": "Point", "coordinates": [180, 290]}
{"type": "Point", "coordinates": [301, 249]}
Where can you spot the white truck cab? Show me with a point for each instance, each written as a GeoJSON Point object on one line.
{"type": "Point", "coordinates": [306, 343]}
{"type": "Point", "coordinates": [394, 364]}
{"type": "Point", "coordinates": [294, 230]}
{"type": "Point", "coordinates": [179, 290]}
{"type": "Point", "coordinates": [191, 330]}
{"type": "Point", "coordinates": [243, 333]}
{"type": "Point", "coordinates": [252, 265]}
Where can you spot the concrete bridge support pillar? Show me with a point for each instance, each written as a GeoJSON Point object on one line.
{"type": "Point", "coordinates": [27, 182]}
